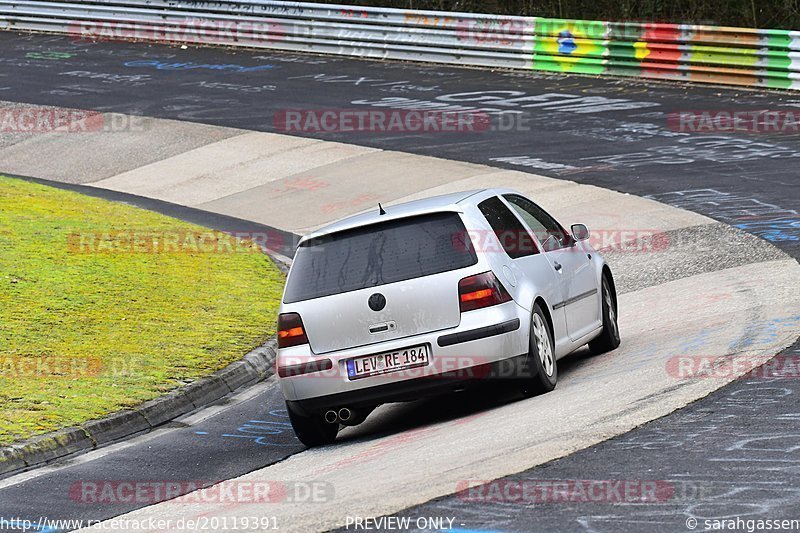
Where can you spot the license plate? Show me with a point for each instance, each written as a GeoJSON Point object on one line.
{"type": "Point", "coordinates": [383, 363]}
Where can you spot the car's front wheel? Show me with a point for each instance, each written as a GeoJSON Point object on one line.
{"type": "Point", "coordinates": [542, 370]}
{"type": "Point", "coordinates": [312, 430]}
{"type": "Point", "coordinates": [609, 338]}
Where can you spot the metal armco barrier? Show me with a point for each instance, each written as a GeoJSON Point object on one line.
{"type": "Point", "coordinates": [735, 56]}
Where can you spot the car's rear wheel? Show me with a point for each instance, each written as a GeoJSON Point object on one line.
{"type": "Point", "coordinates": [312, 430]}
{"type": "Point", "coordinates": [542, 369]}
{"type": "Point", "coordinates": [609, 339]}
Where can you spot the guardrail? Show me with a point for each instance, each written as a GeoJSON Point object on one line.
{"type": "Point", "coordinates": [737, 56]}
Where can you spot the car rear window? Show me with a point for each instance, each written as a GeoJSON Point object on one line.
{"type": "Point", "coordinates": [378, 254]}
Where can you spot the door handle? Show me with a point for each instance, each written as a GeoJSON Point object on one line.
{"type": "Point", "coordinates": [557, 266]}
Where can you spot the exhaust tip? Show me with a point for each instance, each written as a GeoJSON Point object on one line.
{"type": "Point", "coordinates": [345, 414]}
{"type": "Point", "coordinates": [331, 417]}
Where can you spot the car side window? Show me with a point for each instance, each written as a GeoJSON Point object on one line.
{"type": "Point", "coordinates": [513, 237]}
{"type": "Point", "coordinates": [546, 228]}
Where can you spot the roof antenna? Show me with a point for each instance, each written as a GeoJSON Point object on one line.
{"type": "Point", "coordinates": [381, 210]}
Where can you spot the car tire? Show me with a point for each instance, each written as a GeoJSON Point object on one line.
{"type": "Point", "coordinates": [312, 430]}
{"type": "Point", "coordinates": [609, 339]}
{"type": "Point", "coordinates": [541, 368]}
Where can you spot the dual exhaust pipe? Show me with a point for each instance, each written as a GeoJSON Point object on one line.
{"type": "Point", "coordinates": [343, 415]}
{"type": "Point", "coordinates": [346, 416]}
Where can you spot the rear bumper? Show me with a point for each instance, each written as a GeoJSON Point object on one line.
{"type": "Point", "coordinates": [484, 337]}
{"type": "Point", "coordinates": [412, 389]}
{"type": "Point", "coordinates": [479, 333]}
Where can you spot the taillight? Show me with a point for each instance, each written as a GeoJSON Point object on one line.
{"type": "Point", "coordinates": [290, 330]}
{"type": "Point", "coordinates": [481, 290]}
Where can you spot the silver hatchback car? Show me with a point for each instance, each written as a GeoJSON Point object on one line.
{"type": "Point", "coordinates": [429, 296]}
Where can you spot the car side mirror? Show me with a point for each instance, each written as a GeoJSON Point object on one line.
{"type": "Point", "coordinates": [580, 232]}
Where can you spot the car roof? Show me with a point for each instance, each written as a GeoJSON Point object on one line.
{"type": "Point", "coordinates": [433, 204]}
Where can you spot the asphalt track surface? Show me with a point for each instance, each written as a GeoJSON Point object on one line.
{"type": "Point", "coordinates": [616, 136]}
{"type": "Point", "coordinates": [738, 446]}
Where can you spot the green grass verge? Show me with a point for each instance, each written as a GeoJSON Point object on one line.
{"type": "Point", "coordinates": [86, 334]}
